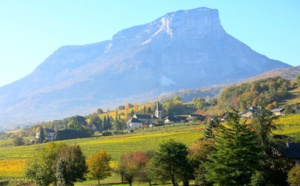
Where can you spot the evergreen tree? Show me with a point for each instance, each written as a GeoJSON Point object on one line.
{"type": "Point", "coordinates": [208, 132]}
{"type": "Point", "coordinates": [237, 155]}
{"type": "Point", "coordinates": [104, 123]}
{"type": "Point", "coordinates": [109, 121]}
{"type": "Point", "coordinates": [42, 135]}
{"type": "Point", "coordinates": [274, 169]}
{"type": "Point", "coordinates": [172, 164]}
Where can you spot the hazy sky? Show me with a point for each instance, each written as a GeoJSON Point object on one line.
{"type": "Point", "coordinates": [31, 30]}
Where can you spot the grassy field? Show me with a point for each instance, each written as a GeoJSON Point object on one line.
{"type": "Point", "coordinates": [141, 140]}
{"type": "Point", "coordinates": [12, 159]}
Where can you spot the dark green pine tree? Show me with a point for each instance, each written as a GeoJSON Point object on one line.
{"type": "Point", "coordinates": [238, 154]}
{"type": "Point", "coordinates": [108, 122]}
{"type": "Point", "coordinates": [42, 136]}
{"type": "Point", "coordinates": [104, 123]}
{"type": "Point", "coordinates": [208, 132]}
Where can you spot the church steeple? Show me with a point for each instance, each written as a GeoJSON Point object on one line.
{"type": "Point", "coordinates": [158, 112]}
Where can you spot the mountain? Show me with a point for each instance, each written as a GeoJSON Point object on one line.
{"type": "Point", "coordinates": [181, 50]}
{"type": "Point", "coordinates": [287, 73]}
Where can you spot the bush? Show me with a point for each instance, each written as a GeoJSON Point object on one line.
{"type": "Point", "coordinates": [18, 141]}
{"type": "Point", "coordinates": [116, 132]}
{"type": "Point", "coordinates": [106, 133]}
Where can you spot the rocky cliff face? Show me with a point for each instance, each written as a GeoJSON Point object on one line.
{"type": "Point", "coordinates": [183, 49]}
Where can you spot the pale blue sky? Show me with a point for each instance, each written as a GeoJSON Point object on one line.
{"type": "Point", "coordinates": [31, 30]}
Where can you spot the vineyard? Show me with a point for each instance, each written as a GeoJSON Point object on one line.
{"type": "Point", "coordinates": [13, 159]}
{"type": "Point", "coordinates": [142, 140]}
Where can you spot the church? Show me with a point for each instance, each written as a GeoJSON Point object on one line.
{"type": "Point", "coordinates": [138, 120]}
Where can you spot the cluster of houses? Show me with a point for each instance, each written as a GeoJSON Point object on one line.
{"type": "Point", "coordinates": [248, 113]}
{"type": "Point", "coordinates": [138, 120]}
{"type": "Point", "coordinates": [291, 151]}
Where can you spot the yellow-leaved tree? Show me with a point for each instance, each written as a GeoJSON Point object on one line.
{"type": "Point", "coordinates": [98, 166]}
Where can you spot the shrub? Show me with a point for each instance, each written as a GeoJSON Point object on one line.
{"type": "Point", "coordinates": [106, 133]}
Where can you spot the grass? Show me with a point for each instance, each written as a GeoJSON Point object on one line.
{"type": "Point", "coordinates": [12, 158]}
{"type": "Point", "coordinates": [140, 140]}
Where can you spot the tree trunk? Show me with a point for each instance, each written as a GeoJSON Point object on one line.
{"type": "Point", "coordinates": [150, 184]}
{"type": "Point", "coordinates": [173, 180]}
{"type": "Point", "coordinates": [98, 181]}
{"type": "Point", "coordinates": [185, 182]}
{"type": "Point", "coordinates": [122, 178]}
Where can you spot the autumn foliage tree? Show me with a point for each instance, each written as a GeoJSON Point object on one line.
{"type": "Point", "coordinates": [198, 156]}
{"type": "Point", "coordinates": [134, 166]}
{"type": "Point", "coordinates": [98, 166]}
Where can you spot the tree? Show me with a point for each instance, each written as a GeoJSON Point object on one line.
{"type": "Point", "coordinates": [131, 113]}
{"type": "Point", "coordinates": [237, 154]}
{"type": "Point", "coordinates": [136, 108]}
{"type": "Point", "coordinates": [77, 122]}
{"type": "Point", "coordinates": [127, 106]}
{"type": "Point", "coordinates": [121, 107]}
{"type": "Point", "coordinates": [171, 162]}
{"type": "Point", "coordinates": [40, 167]}
{"type": "Point", "coordinates": [128, 168]}
{"type": "Point", "coordinates": [172, 106]}
{"type": "Point", "coordinates": [263, 124]}
{"type": "Point", "coordinates": [18, 141]}
{"type": "Point", "coordinates": [119, 124]}
{"type": "Point", "coordinates": [56, 163]}
{"type": "Point", "coordinates": [98, 166]}
{"type": "Point", "coordinates": [142, 159]}
{"type": "Point", "coordinates": [136, 166]}
{"type": "Point", "coordinates": [41, 136]}
{"type": "Point", "coordinates": [198, 154]}
{"type": "Point", "coordinates": [70, 165]}
{"type": "Point", "coordinates": [298, 80]}
{"type": "Point", "coordinates": [96, 121]}
{"type": "Point", "coordinates": [149, 110]}
{"type": "Point", "coordinates": [273, 168]}
{"type": "Point", "coordinates": [99, 111]}
{"type": "Point", "coordinates": [294, 176]}
{"type": "Point", "coordinates": [116, 114]}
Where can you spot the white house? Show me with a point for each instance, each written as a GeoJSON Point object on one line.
{"type": "Point", "coordinates": [134, 123]}
{"type": "Point", "coordinates": [49, 134]}
{"type": "Point", "coordinates": [278, 111]}
{"type": "Point", "coordinates": [139, 119]}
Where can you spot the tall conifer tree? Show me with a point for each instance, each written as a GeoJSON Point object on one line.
{"type": "Point", "coordinates": [238, 154]}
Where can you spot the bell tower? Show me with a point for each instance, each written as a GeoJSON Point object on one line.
{"type": "Point", "coordinates": [158, 112]}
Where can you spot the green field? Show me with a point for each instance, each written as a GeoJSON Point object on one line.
{"type": "Point", "coordinates": [12, 158]}
{"type": "Point", "coordinates": [141, 140]}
